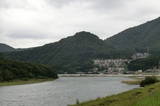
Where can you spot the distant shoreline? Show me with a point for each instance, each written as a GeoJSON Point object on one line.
{"type": "Point", "coordinates": [107, 75]}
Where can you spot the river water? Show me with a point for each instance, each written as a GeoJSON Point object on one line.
{"type": "Point", "coordinates": [63, 91]}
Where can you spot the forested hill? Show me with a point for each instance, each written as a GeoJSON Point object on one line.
{"type": "Point", "coordinates": [139, 38]}
{"type": "Point", "coordinates": [74, 53]}
{"type": "Point", "coordinates": [5, 48]}
{"type": "Point", "coordinates": [13, 70]}
{"type": "Point", "coordinates": [74, 50]}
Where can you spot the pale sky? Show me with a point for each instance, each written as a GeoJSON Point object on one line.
{"type": "Point", "coordinates": [30, 23]}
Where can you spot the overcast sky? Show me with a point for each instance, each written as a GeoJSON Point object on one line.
{"type": "Point", "coordinates": [29, 23]}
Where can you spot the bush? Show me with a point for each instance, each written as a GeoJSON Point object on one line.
{"type": "Point", "coordinates": [77, 101]}
{"type": "Point", "coordinates": [148, 81]}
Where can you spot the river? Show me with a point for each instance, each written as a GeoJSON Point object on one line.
{"type": "Point", "coordinates": [63, 91]}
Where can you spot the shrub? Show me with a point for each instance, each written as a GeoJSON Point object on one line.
{"type": "Point", "coordinates": [148, 81]}
{"type": "Point", "coordinates": [77, 101]}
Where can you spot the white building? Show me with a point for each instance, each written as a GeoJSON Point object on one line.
{"type": "Point", "coordinates": [140, 55]}
{"type": "Point", "coordinates": [112, 65]}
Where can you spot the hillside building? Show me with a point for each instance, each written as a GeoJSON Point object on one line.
{"type": "Point", "coordinates": [111, 65]}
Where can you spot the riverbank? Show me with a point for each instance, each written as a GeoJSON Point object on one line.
{"type": "Point", "coordinates": [147, 96]}
{"type": "Point", "coordinates": [132, 82]}
{"type": "Point", "coordinates": [22, 82]}
{"type": "Point", "coordinates": [107, 75]}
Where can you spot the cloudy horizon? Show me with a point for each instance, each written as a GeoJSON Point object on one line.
{"type": "Point", "coordinates": [30, 23]}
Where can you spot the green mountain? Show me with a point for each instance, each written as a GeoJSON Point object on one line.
{"type": "Point", "coordinates": [139, 38]}
{"type": "Point", "coordinates": [72, 51]}
{"type": "Point", "coordinates": [75, 53]}
{"type": "Point", "coordinates": [5, 48]}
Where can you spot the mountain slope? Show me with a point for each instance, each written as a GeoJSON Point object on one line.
{"type": "Point", "coordinates": [5, 48]}
{"type": "Point", "coordinates": [74, 50]}
{"type": "Point", "coordinates": [138, 38]}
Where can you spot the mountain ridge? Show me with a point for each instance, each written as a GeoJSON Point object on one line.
{"type": "Point", "coordinates": [5, 48]}
{"type": "Point", "coordinates": [75, 50]}
{"type": "Point", "coordinates": [143, 36]}
{"type": "Point", "coordinates": [78, 50]}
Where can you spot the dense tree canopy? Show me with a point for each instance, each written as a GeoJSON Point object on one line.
{"type": "Point", "coordinates": [139, 39]}
{"type": "Point", "coordinates": [72, 53]}
{"type": "Point", "coordinates": [13, 70]}
{"type": "Point", "coordinates": [5, 48]}
{"type": "Point", "coordinates": [144, 64]}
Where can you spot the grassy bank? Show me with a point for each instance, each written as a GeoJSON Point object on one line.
{"type": "Point", "coordinates": [22, 82]}
{"type": "Point", "coordinates": [147, 96]}
{"type": "Point", "coordinates": [132, 82]}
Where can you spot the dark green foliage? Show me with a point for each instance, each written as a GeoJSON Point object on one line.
{"type": "Point", "coordinates": [144, 64]}
{"type": "Point", "coordinates": [139, 38]}
{"type": "Point", "coordinates": [1, 56]}
{"type": "Point", "coordinates": [77, 102]}
{"type": "Point", "coordinates": [73, 68]}
{"type": "Point", "coordinates": [71, 53]}
{"type": "Point", "coordinates": [13, 70]}
{"type": "Point", "coordinates": [148, 81]}
{"type": "Point", "coordinates": [5, 48]}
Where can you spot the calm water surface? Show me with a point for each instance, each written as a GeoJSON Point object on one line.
{"type": "Point", "coordinates": [63, 91]}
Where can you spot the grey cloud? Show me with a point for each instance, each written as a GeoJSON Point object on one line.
{"type": "Point", "coordinates": [50, 20]}
{"type": "Point", "coordinates": [27, 35]}
{"type": "Point", "coordinates": [13, 3]}
{"type": "Point", "coordinates": [97, 4]}
{"type": "Point", "coordinates": [108, 4]}
{"type": "Point", "coordinates": [60, 3]}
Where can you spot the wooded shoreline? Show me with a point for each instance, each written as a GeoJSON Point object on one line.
{"type": "Point", "coordinates": [23, 82]}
